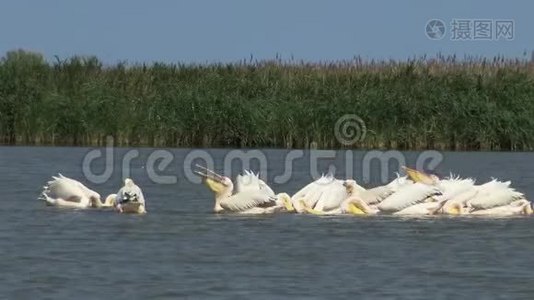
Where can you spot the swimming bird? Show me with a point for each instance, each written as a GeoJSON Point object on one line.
{"type": "Point", "coordinates": [327, 195]}
{"type": "Point", "coordinates": [407, 196]}
{"type": "Point", "coordinates": [378, 194]}
{"type": "Point", "coordinates": [462, 196]}
{"type": "Point", "coordinates": [519, 207]}
{"type": "Point", "coordinates": [129, 199]}
{"type": "Point", "coordinates": [251, 196]}
{"type": "Point", "coordinates": [400, 197]}
{"type": "Point", "coordinates": [66, 192]}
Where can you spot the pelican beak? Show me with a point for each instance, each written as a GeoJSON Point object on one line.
{"type": "Point", "coordinates": [206, 173]}
{"type": "Point", "coordinates": [354, 210]}
{"type": "Point", "coordinates": [110, 200]}
{"type": "Point", "coordinates": [418, 176]}
{"type": "Point", "coordinates": [452, 208]}
{"type": "Point", "coordinates": [288, 205]}
{"type": "Point", "coordinates": [308, 209]}
{"type": "Point", "coordinates": [527, 210]}
{"type": "Point", "coordinates": [286, 200]}
{"type": "Point", "coordinates": [213, 180]}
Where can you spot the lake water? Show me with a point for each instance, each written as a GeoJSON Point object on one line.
{"type": "Point", "coordinates": [181, 249]}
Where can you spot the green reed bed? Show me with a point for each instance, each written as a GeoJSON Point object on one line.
{"type": "Point", "coordinates": [428, 103]}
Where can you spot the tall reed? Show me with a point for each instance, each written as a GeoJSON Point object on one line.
{"type": "Point", "coordinates": [427, 103]}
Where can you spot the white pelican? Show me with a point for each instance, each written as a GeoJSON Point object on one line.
{"type": "Point", "coordinates": [462, 196]}
{"type": "Point", "coordinates": [493, 194]}
{"type": "Point", "coordinates": [327, 195]}
{"type": "Point", "coordinates": [252, 195]}
{"type": "Point", "coordinates": [69, 193]}
{"type": "Point", "coordinates": [407, 196]}
{"type": "Point", "coordinates": [400, 197]}
{"type": "Point", "coordinates": [519, 207]}
{"type": "Point", "coordinates": [378, 194]}
{"type": "Point", "coordinates": [129, 199]}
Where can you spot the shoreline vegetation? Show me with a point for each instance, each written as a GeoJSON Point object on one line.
{"type": "Point", "coordinates": [437, 103]}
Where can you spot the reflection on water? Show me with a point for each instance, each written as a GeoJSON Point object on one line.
{"type": "Point", "coordinates": [181, 249]}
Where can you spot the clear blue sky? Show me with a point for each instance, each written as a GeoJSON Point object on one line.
{"type": "Point", "coordinates": [215, 30]}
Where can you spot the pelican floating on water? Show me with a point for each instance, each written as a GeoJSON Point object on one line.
{"type": "Point", "coordinates": [129, 199]}
{"type": "Point", "coordinates": [409, 199]}
{"type": "Point", "coordinates": [66, 192]}
{"type": "Point", "coordinates": [327, 196]}
{"type": "Point", "coordinates": [251, 196]}
{"type": "Point", "coordinates": [519, 207]}
{"type": "Point", "coordinates": [462, 196]}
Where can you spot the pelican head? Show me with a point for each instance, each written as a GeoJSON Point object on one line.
{"type": "Point", "coordinates": [527, 209]}
{"type": "Point", "coordinates": [95, 199]}
{"type": "Point", "coordinates": [128, 182]}
{"type": "Point", "coordinates": [222, 186]}
{"type": "Point", "coordinates": [419, 176]}
{"type": "Point", "coordinates": [285, 199]}
{"type": "Point", "coordinates": [453, 208]}
{"type": "Point", "coordinates": [111, 200]}
{"type": "Point", "coordinates": [526, 206]}
{"type": "Point", "coordinates": [352, 186]}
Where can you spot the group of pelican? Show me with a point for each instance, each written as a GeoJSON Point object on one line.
{"type": "Point", "coordinates": [417, 193]}
{"type": "Point", "coordinates": [66, 192]}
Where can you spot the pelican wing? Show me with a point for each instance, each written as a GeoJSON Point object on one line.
{"type": "Point", "coordinates": [514, 208]}
{"type": "Point", "coordinates": [331, 196]}
{"type": "Point", "coordinates": [65, 188]}
{"type": "Point", "coordinates": [64, 203]}
{"type": "Point", "coordinates": [66, 192]}
{"type": "Point", "coordinates": [454, 186]}
{"type": "Point", "coordinates": [88, 192]}
{"type": "Point", "coordinates": [252, 183]}
{"type": "Point", "coordinates": [407, 196]}
{"type": "Point", "coordinates": [248, 181]}
{"type": "Point", "coordinates": [495, 198]}
{"type": "Point", "coordinates": [246, 200]}
{"type": "Point", "coordinates": [463, 197]}
{"type": "Point", "coordinates": [311, 193]}
{"type": "Point", "coordinates": [266, 188]}
{"type": "Point", "coordinates": [379, 193]}
{"type": "Point", "coordinates": [425, 208]}
{"type": "Point", "coordinates": [375, 195]}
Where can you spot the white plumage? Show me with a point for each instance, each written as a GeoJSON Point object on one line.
{"type": "Point", "coordinates": [453, 186]}
{"type": "Point", "coordinates": [493, 194]}
{"type": "Point", "coordinates": [130, 198]}
{"type": "Point", "coordinates": [243, 201]}
{"type": "Point", "coordinates": [252, 195]}
{"type": "Point", "coordinates": [425, 208]}
{"type": "Point", "coordinates": [66, 192]}
{"type": "Point", "coordinates": [462, 196]}
{"type": "Point", "coordinates": [311, 193]}
{"type": "Point", "coordinates": [407, 196]}
{"type": "Point", "coordinates": [517, 207]}
{"type": "Point", "coordinates": [378, 194]}
{"type": "Point", "coordinates": [422, 195]}
{"type": "Point", "coordinates": [324, 195]}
